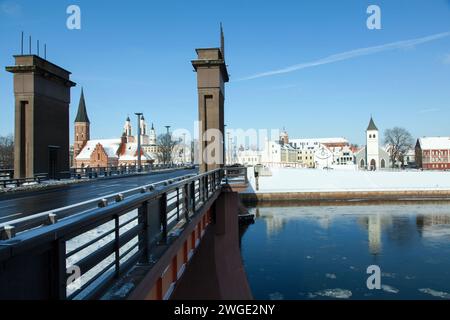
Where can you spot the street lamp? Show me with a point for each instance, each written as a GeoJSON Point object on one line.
{"type": "Point", "coordinates": [169, 141]}
{"type": "Point", "coordinates": [184, 148]}
{"type": "Point", "coordinates": [225, 146]}
{"type": "Point", "coordinates": [139, 164]}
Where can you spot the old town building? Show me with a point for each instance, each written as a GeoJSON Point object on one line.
{"type": "Point", "coordinates": [433, 153]}
{"type": "Point", "coordinates": [107, 152]}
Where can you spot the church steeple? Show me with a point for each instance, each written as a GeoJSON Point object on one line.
{"type": "Point", "coordinates": [82, 127]}
{"type": "Point", "coordinates": [82, 113]}
{"type": "Point", "coordinates": [127, 127]}
{"type": "Point", "coordinates": [372, 126]}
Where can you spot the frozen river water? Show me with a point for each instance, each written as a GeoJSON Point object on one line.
{"type": "Point", "coordinates": [323, 252]}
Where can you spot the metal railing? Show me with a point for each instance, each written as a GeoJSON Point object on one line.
{"type": "Point", "coordinates": [236, 175]}
{"type": "Point", "coordinates": [101, 244]}
{"type": "Point", "coordinates": [96, 172]}
{"type": "Point", "coordinates": [10, 229]}
{"type": "Point", "coordinates": [86, 173]}
{"type": "Point", "coordinates": [6, 174]}
{"type": "Point", "coordinates": [22, 181]}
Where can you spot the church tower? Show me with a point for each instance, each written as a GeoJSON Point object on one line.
{"type": "Point", "coordinates": [284, 137]}
{"type": "Point", "coordinates": [143, 126]}
{"type": "Point", "coordinates": [144, 134]}
{"type": "Point", "coordinates": [152, 136]}
{"type": "Point", "coordinates": [372, 146]}
{"type": "Point", "coordinates": [82, 127]}
{"type": "Point", "coordinates": [127, 127]}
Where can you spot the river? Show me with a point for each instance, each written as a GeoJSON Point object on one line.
{"type": "Point", "coordinates": [322, 252]}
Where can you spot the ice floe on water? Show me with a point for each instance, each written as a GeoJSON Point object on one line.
{"type": "Point", "coordinates": [333, 293]}
{"type": "Point", "coordinates": [435, 293]}
{"type": "Point", "coordinates": [389, 289]}
{"type": "Point", "coordinates": [276, 296]}
{"type": "Point", "coordinates": [330, 276]}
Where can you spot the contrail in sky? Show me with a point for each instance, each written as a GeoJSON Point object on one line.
{"type": "Point", "coordinates": [350, 55]}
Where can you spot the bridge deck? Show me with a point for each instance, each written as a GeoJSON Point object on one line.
{"type": "Point", "coordinates": [21, 205]}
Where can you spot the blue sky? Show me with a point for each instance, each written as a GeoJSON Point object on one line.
{"type": "Point", "coordinates": [135, 56]}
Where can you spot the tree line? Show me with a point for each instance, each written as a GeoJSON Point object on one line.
{"type": "Point", "coordinates": [6, 152]}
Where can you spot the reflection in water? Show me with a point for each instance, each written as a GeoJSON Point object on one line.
{"type": "Point", "coordinates": [375, 234]}
{"type": "Point", "coordinates": [322, 252]}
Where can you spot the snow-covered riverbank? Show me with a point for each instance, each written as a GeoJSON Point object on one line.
{"type": "Point", "coordinates": [315, 180]}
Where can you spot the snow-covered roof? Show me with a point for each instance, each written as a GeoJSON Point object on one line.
{"type": "Point", "coordinates": [111, 147]}
{"type": "Point", "coordinates": [130, 153]}
{"type": "Point", "coordinates": [319, 140]}
{"type": "Point", "coordinates": [434, 143]}
{"type": "Point", "coordinates": [287, 147]}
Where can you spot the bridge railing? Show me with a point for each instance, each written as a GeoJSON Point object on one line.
{"type": "Point", "coordinates": [10, 229]}
{"type": "Point", "coordinates": [38, 178]}
{"type": "Point", "coordinates": [236, 175]}
{"type": "Point", "coordinates": [7, 180]}
{"type": "Point", "coordinates": [6, 174]}
{"type": "Point", "coordinates": [96, 172]}
{"type": "Point", "coordinates": [99, 245]}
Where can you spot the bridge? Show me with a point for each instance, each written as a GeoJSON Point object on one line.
{"type": "Point", "coordinates": [176, 238]}
{"type": "Point", "coordinates": [173, 235]}
{"type": "Point", "coordinates": [15, 205]}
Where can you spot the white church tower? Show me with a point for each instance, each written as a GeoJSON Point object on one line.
{"type": "Point", "coordinates": [144, 135]}
{"type": "Point", "coordinates": [143, 126]}
{"type": "Point", "coordinates": [127, 127]}
{"type": "Point", "coordinates": [152, 135]}
{"type": "Point", "coordinates": [372, 146]}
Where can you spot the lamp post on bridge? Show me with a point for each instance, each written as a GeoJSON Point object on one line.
{"type": "Point", "coordinates": [139, 164]}
{"type": "Point", "coordinates": [168, 143]}
{"type": "Point", "coordinates": [225, 146]}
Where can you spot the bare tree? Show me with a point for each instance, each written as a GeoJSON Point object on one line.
{"type": "Point", "coordinates": [166, 145]}
{"type": "Point", "coordinates": [399, 141]}
{"type": "Point", "coordinates": [6, 152]}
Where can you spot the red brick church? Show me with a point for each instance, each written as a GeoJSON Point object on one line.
{"type": "Point", "coordinates": [107, 152]}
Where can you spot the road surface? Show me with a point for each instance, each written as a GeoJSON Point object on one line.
{"type": "Point", "coordinates": [18, 206]}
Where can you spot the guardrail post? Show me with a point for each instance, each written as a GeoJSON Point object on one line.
{"type": "Point", "coordinates": [163, 217]}
{"type": "Point", "coordinates": [143, 236]}
{"type": "Point", "coordinates": [187, 198]}
{"type": "Point", "coordinates": [58, 272]}
{"type": "Point", "coordinates": [206, 177]}
{"type": "Point", "coordinates": [8, 233]}
{"type": "Point", "coordinates": [178, 204]}
{"type": "Point", "coordinates": [192, 195]}
{"type": "Point", "coordinates": [117, 246]}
